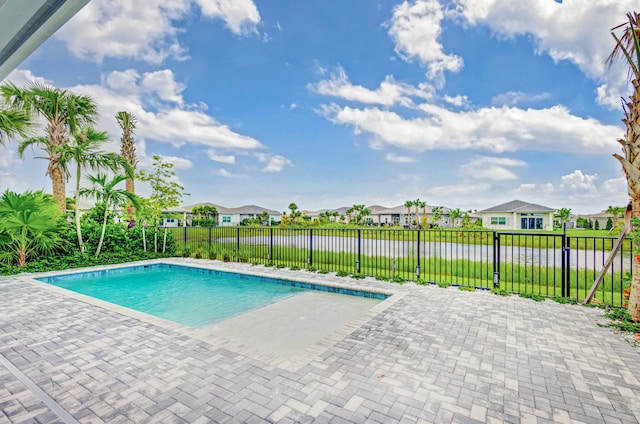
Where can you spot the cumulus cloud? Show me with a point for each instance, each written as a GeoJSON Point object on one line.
{"type": "Point", "coordinates": [389, 93]}
{"type": "Point", "coordinates": [240, 16]}
{"type": "Point", "coordinates": [155, 98]}
{"type": "Point", "coordinates": [415, 28]}
{"type": "Point", "coordinates": [274, 163]}
{"type": "Point", "coordinates": [572, 30]}
{"type": "Point", "coordinates": [579, 182]}
{"type": "Point", "coordinates": [492, 168]}
{"type": "Point", "coordinates": [492, 129]}
{"type": "Point", "coordinates": [149, 33]}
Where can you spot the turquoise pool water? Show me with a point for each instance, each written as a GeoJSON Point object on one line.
{"type": "Point", "coordinates": [189, 296]}
{"type": "Point", "coordinates": [186, 295]}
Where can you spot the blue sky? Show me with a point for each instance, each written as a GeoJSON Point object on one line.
{"type": "Point", "coordinates": [462, 103]}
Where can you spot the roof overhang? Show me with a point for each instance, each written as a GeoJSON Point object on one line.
{"type": "Point", "coordinates": [26, 24]}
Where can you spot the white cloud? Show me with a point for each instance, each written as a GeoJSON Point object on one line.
{"type": "Point", "coordinates": [240, 16]}
{"type": "Point", "coordinates": [513, 98]}
{"type": "Point", "coordinates": [579, 182]}
{"type": "Point", "coordinates": [389, 93]}
{"type": "Point", "coordinates": [459, 101]}
{"type": "Point", "coordinates": [224, 173]}
{"type": "Point", "coordinates": [573, 30]}
{"type": "Point", "coordinates": [492, 129]}
{"type": "Point", "coordinates": [492, 168]}
{"type": "Point", "coordinates": [155, 99]}
{"type": "Point", "coordinates": [214, 156]}
{"type": "Point", "coordinates": [274, 163]}
{"type": "Point", "coordinates": [148, 32]}
{"type": "Point", "coordinates": [415, 29]}
{"type": "Point", "coordinates": [399, 159]}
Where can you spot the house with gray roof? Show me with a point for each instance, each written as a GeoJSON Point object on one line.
{"type": "Point", "coordinates": [518, 215]}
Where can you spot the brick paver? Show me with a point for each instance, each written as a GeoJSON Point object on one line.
{"type": "Point", "coordinates": [431, 355]}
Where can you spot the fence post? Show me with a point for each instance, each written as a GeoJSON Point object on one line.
{"type": "Point", "coordinates": [563, 262]}
{"type": "Point", "coordinates": [270, 244]}
{"type": "Point", "coordinates": [567, 270]}
{"type": "Point", "coordinates": [418, 252]}
{"type": "Point", "coordinates": [238, 241]}
{"type": "Point", "coordinates": [185, 235]}
{"type": "Point", "coordinates": [310, 246]}
{"type": "Point", "coordinates": [358, 261]}
{"type": "Point", "coordinates": [496, 260]}
{"type": "Point", "coordinates": [210, 230]}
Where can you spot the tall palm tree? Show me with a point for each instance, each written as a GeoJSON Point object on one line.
{"type": "Point", "coordinates": [628, 46]}
{"type": "Point", "coordinates": [29, 226]}
{"type": "Point", "coordinates": [423, 206]}
{"type": "Point", "coordinates": [106, 191]}
{"type": "Point", "coordinates": [408, 204]}
{"type": "Point", "coordinates": [13, 123]}
{"type": "Point", "coordinates": [127, 122]}
{"type": "Point", "coordinates": [64, 112]}
{"type": "Point", "coordinates": [85, 151]}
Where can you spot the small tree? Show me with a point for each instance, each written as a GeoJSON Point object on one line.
{"type": "Point", "coordinates": [106, 191]}
{"type": "Point", "coordinates": [455, 214]}
{"type": "Point", "coordinates": [609, 225]}
{"type": "Point", "coordinates": [165, 193]}
{"type": "Point", "coordinates": [596, 225]}
{"type": "Point", "coordinates": [563, 216]}
{"type": "Point", "coordinates": [436, 215]}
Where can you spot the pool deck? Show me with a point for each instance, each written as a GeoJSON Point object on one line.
{"type": "Point", "coordinates": [426, 354]}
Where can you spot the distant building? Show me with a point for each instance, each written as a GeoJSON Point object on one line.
{"type": "Point", "coordinates": [518, 215]}
{"type": "Point", "coordinates": [231, 217]}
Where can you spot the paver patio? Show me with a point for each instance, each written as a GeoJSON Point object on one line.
{"type": "Point", "coordinates": [428, 355]}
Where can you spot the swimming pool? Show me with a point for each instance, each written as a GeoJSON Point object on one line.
{"type": "Point", "coordinates": [194, 297]}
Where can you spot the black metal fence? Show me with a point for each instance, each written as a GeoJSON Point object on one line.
{"type": "Point", "coordinates": [552, 264]}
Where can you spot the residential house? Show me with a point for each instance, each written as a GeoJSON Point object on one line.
{"type": "Point", "coordinates": [231, 217]}
{"type": "Point", "coordinates": [518, 215]}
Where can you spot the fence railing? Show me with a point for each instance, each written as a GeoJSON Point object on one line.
{"type": "Point", "coordinates": [552, 264]}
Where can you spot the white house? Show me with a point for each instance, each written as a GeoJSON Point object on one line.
{"type": "Point", "coordinates": [231, 217]}
{"type": "Point", "coordinates": [518, 215]}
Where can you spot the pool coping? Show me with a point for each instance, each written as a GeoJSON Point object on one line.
{"type": "Point", "coordinates": [292, 363]}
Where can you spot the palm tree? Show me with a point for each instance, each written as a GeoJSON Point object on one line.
{"type": "Point", "coordinates": [106, 191]}
{"type": "Point", "coordinates": [295, 213]}
{"type": "Point", "coordinates": [423, 205]}
{"type": "Point", "coordinates": [416, 203]}
{"type": "Point", "coordinates": [127, 122]}
{"type": "Point", "coordinates": [29, 225]}
{"type": "Point", "coordinates": [454, 214]}
{"type": "Point", "coordinates": [628, 46]}
{"type": "Point", "coordinates": [408, 204]}
{"type": "Point", "coordinates": [85, 152]}
{"type": "Point", "coordinates": [64, 112]}
{"type": "Point", "coordinates": [615, 212]}
{"type": "Point", "coordinates": [13, 123]}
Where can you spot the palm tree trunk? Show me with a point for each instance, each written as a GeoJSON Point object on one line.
{"type": "Point", "coordinates": [104, 227]}
{"type": "Point", "coordinates": [58, 186]}
{"type": "Point", "coordinates": [164, 241]}
{"type": "Point", "coordinates": [634, 293]}
{"type": "Point", "coordinates": [76, 213]}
